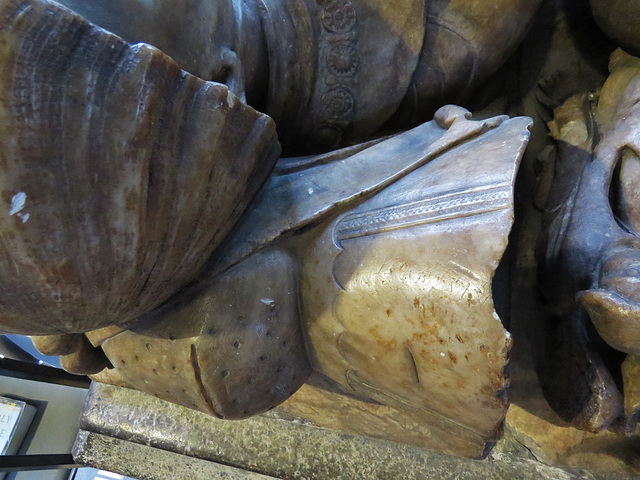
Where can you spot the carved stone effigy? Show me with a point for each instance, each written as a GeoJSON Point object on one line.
{"type": "Point", "coordinates": [73, 76]}
{"type": "Point", "coordinates": [352, 289]}
{"type": "Point", "coordinates": [107, 169]}
{"type": "Point", "coordinates": [329, 72]}
{"type": "Point", "coordinates": [370, 265]}
{"type": "Point", "coordinates": [590, 250]}
{"type": "Point", "coordinates": [383, 320]}
{"type": "Point", "coordinates": [389, 275]}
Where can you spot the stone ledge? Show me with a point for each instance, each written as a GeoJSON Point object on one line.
{"type": "Point", "coordinates": [278, 448]}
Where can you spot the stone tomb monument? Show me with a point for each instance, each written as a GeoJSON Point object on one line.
{"type": "Point", "coordinates": [336, 262]}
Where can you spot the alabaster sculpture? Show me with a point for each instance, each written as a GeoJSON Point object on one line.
{"type": "Point", "coordinates": [386, 279]}
{"type": "Point", "coordinates": [329, 72]}
{"type": "Point", "coordinates": [589, 256]}
{"type": "Point", "coordinates": [59, 69]}
{"type": "Point", "coordinates": [111, 159]}
{"type": "Point", "coordinates": [152, 239]}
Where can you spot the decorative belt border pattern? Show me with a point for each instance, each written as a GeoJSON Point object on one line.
{"type": "Point", "coordinates": [449, 206]}
{"type": "Point", "coordinates": [338, 64]}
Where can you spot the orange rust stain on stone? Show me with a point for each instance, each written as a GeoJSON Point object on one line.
{"type": "Point", "coordinates": [420, 337]}
{"type": "Point", "coordinates": [416, 302]}
{"type": "Point", "coordinates": [453, 357]}
{"type": "Point", "coordinates": [388, 312]}
{"type": "Point", "coordinates": [389, 344]}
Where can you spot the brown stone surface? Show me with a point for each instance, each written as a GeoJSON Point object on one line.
{"type": "Point", "coordinates": [618, 19]}
{"type": "Point", "coordinates": [282, 449]}
{"type": "Point", "coordinates": [589, 253]}
{"type": "Point", "coordinates": [232, 347]}
{"type": "Point", "coordinates": [147, 463]}
{"type": "Point", "coordinates": [330, 73]}
{"type": "Point", "coordinates": [77, 355]}
{"type": "Point", "coordinates": [631, 384]}
{"type": "Point", "coordinates": [564, 54]}
{"type": "Point", "coordinates": [337, 411]}
{"type": "Point", "coordinates": [454, 30]}
{"type": "Point", "coordinates": [397, 306]}
{"type": "Point", "coordinates": [112, 156]}
{"type": "Point", "coordinates": [533, 426]}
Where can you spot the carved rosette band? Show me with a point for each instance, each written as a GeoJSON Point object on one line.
{"type": "Point", "coordinates": [338, 16]}
{"type": "Point", "coordinates": [338, 64]}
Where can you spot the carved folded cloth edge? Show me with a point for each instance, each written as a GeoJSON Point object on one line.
{"type": "Point", "coordinates": [589, 253]}
{"type": "Point", "coordinates": [397, 301]}
{"type": "Point", "coordinates": [231, 344]}
{"type": "Point", "coordinates": [119, 172]}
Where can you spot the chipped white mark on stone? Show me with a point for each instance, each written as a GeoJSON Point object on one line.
{"type": "Point", "coordinates": [23, 216]}
{"type": "Point", "coordinates": [268, 301]}
{"type": "Point", "coordinates": [442, 354]}
{"type": "Point", "coordinates": [261, 330]}
{"type": "Point", "coordinates": [310, 191]}
{"type": "Point", "coordinates": [17, 202]}
{"type": "Point", "coordinates": [230, 100]}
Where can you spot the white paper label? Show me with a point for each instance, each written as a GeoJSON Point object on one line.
{"type": "Point", "coordinates": [9, 416]}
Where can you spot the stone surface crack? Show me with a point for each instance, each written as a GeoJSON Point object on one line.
{"type": "Point", "coordinates": [198, 377]}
